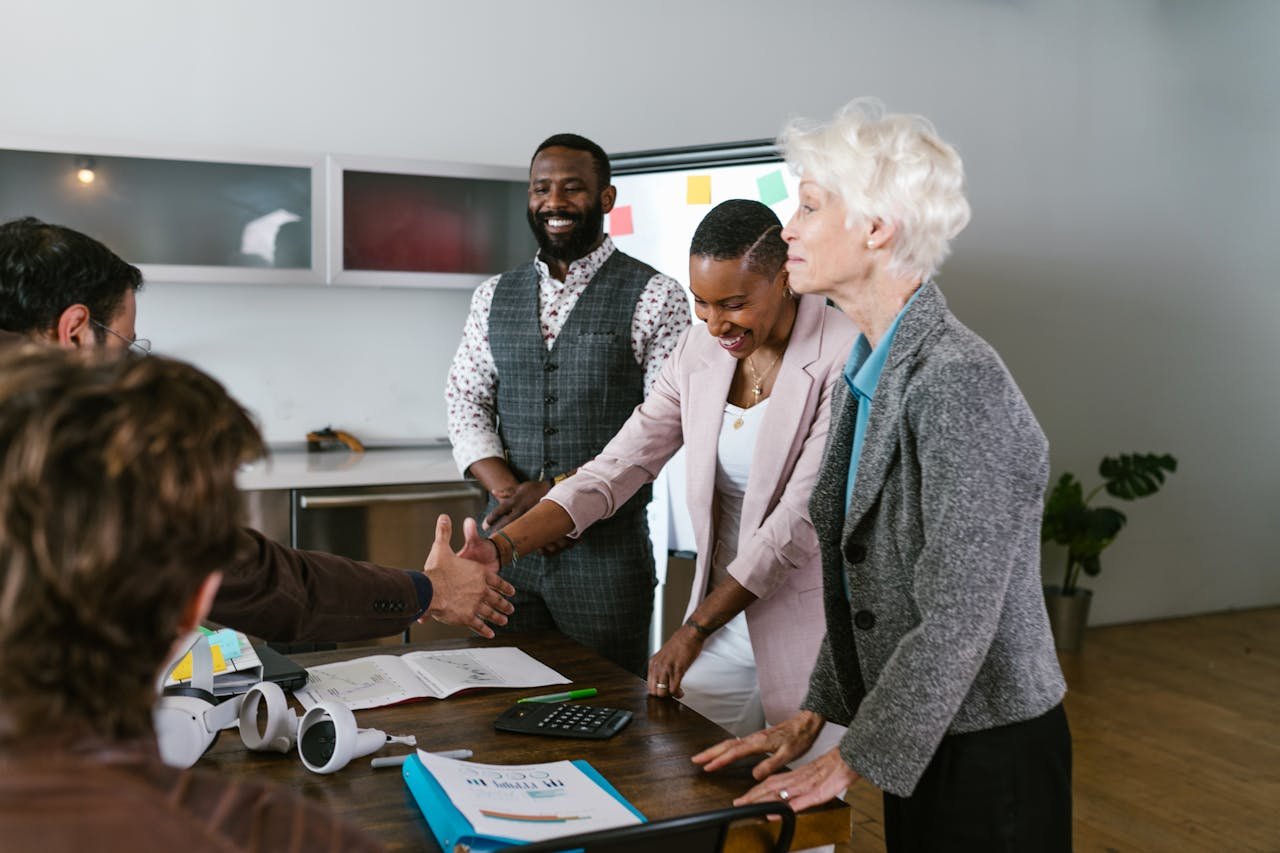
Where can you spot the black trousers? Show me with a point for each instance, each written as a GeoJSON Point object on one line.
{"type": "Point", "coordinates": [1001, 789]}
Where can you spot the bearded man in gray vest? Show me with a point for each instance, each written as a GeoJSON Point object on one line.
{"type": "Point", "coordinates": [554, 356]}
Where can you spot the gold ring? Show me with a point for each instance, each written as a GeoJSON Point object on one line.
{"type": "Point", "coordinates": [660, 686]}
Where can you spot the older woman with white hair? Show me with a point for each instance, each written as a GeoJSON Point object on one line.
{"type": "Point", "coordinates": [937, 654]}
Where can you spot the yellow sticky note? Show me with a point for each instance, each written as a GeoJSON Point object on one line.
{"type": "Point", "coordinates": [182, 672]}
{"type": "Point", "coordinates": [699, 189]}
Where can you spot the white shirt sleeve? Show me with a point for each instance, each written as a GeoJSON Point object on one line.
{"type": "Point", "coordinates": [471, 390]}
{"type": "Point", "coordinates": [661, 316]}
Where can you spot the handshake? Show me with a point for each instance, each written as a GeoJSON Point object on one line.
{"type": "Point", "coordinates": [466, 588]}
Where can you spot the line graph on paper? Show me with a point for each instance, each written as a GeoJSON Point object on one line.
{"type": "Point", "coordinates": [450, 671]}
{"type": "Point", "coordinates": [371, 682]}
{"type": "Point", "coordinates": [361, 683]}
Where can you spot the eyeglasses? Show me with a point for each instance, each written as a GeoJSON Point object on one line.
{"type": "Point", "coordinates": [141, 346]}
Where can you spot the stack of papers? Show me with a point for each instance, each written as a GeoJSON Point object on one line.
{"type": "Point", "coordinates": [236, 666]}
{"type": "Point", "coordinates": [489, 806]}
{"type": "Point", "coordinates": [377, 680]}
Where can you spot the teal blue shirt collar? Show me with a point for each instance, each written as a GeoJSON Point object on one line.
{"type": "Point", "coordinates": [862, 370]}
{"type": "Point", "coordinates": [862, 374]}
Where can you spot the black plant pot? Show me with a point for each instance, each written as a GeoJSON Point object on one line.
{"type": "Point", "coordinates": [1068, 615]}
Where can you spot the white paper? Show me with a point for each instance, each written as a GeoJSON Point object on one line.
{"type": "Point", "coordinates": [377, 680]}
{"type": "Point", "coordinates": [527, 802]}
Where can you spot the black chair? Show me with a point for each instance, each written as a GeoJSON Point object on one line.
{"type": "Point", "coordinates": [695, 833]}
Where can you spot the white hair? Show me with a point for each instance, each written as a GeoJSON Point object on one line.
{"type": "Point", "coordinates": [891, 167]}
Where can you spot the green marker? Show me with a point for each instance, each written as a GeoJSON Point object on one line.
{"type": "Point", "coordinates": [584, 693]}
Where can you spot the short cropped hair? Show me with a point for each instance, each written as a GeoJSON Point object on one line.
{"type": "Point", "coordinates": [892, 167]}
{"type": "Point", "coordinates": [117, 499]}
{"type": "Point", "coordinates": [45, 269]}
{"type": "Point", "coordinates": [574, 142]}
{"type": "Point", "coordinates": [740, 228]}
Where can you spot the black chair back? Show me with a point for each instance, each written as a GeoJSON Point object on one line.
{"type": "Point", "coordinates": [696, 833]}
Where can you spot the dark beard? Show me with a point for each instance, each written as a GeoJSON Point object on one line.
{"type": "Point", "coordinates": [574, 245]}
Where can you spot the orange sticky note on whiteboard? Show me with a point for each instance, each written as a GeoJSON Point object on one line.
{"type": "Point", "coordinates": [699, 189]}
{"type": "Point", "coordinates": [620, 221]}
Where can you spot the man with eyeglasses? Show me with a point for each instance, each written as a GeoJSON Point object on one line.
{"type": "Point", "coordinates": [61, 287]}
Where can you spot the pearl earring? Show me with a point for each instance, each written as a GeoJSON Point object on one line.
{"type": "Point", "coordinates": [870, 245]}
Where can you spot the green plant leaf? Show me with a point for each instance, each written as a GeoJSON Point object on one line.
{"type": "Point", "coordinates": [1097, 529]}
{"type": "Point", "coordinates": [1091, 565]}
{"type": "Point", "coordinates": [1136, 475]}
{"type": "Point", "coordinates": [1063, 511]}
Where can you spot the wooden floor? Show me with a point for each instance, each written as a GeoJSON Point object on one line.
{"type": "Point", "coordinates": [1176, 731]}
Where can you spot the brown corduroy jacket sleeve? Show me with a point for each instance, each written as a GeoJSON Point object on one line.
{"type": "Point", "coordinates": [279, 593]}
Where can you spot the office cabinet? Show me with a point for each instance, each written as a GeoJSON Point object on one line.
{"type": "Point", "coordinates": [413, 223]}
{"type": "Point", "coordinates": [181, 217]}
{"type": "Point", "coordinates": [184, 214]}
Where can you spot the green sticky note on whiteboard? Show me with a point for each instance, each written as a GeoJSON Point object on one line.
{"type": "Point", "coordinates": [772, 189]}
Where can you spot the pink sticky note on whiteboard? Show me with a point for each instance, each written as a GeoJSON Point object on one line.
{"type": "Point", "coordinates": [620, 221]}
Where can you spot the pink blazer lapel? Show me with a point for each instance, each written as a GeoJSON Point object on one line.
{"type": "Point", "coordinates": [786, 421]}
{"type": "Point", "coordinates": [706, 390]}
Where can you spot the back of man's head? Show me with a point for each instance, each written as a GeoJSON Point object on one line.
{"type": "Point", "coordinates": [44, 269]}
{"type": "Point", "coordinates": [117, 502]}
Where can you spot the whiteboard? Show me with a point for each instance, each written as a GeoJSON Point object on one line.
{"type": "Point", "coordinates": [657, 212]}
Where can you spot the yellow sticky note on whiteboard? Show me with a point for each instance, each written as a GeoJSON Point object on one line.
{"type": "Point", "coordinates": [699, 189]}
{"type": "Point", "coordinates": [182, 672]}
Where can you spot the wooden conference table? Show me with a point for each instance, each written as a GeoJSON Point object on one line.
{"type": "Point", "coordinates": [648, 761]}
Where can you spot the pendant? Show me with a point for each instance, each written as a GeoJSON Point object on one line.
{"type": "Point", "coordinates": [738, 423]}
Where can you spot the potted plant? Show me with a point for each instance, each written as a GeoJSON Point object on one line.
{"type": "Point", "coordinates": [1087, 530]}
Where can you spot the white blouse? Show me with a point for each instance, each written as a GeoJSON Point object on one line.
{"type": "Point", "coordinates": [738, 432]}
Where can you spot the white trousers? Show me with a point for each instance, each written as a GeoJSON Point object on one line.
{"type": "Point", "coordinates": [721, 685]}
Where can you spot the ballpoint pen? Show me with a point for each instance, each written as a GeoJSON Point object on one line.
{"type": "Point", "coordinates": [561, 697]}
{"type": "Point", "coordinates": [397, 760]}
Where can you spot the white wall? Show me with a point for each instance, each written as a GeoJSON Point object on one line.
{"type": "Point", "coordinates": [1121, 156]}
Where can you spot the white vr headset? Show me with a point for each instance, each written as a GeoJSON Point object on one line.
{"type": "Point", "coordinates": [187, 720]}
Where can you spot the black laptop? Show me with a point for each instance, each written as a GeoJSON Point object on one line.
{"type": "Point", "coordinates": [275, 667]}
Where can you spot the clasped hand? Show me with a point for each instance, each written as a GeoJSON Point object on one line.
{"type": "Point", "coordinates": [514, 502]}
{"type": "Point", "coordinates": [466, 588]}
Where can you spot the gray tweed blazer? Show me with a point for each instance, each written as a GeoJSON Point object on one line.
{"type": "Point", "coordinates": [945, 629]}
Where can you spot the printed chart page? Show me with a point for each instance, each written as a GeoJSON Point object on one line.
{"type": "Point", "coordinates": [528, 802]}
{"type": "Point", "coordinates": [378, 680]}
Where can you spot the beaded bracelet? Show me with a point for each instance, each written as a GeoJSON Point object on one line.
{"type": "Point", "coordinates": [701, 629]}
{"type": "Point", "coordinates": [515, 554]}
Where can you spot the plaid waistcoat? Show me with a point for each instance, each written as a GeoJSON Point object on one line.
{"type": "Point", "coordinates": [558, 408]}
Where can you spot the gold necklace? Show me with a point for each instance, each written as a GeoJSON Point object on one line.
{"type": "Point", "coordinates": [757, 384]}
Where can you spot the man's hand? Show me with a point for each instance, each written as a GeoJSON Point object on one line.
{"type": "Point", "coordinates": [788, 740]}
{"type": "Point", "coordinates": [466, 592]}
{"type": "Point", "coordinates": [515, 502]}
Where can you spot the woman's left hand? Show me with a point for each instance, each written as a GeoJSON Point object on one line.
{"type": "Point", "coordinates": [672, 661]}
{"type": "Point", "coordinates": [811, 785]}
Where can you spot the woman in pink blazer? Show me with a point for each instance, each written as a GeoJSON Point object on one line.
{"type": "Point", "coordinates": [749, 396]}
